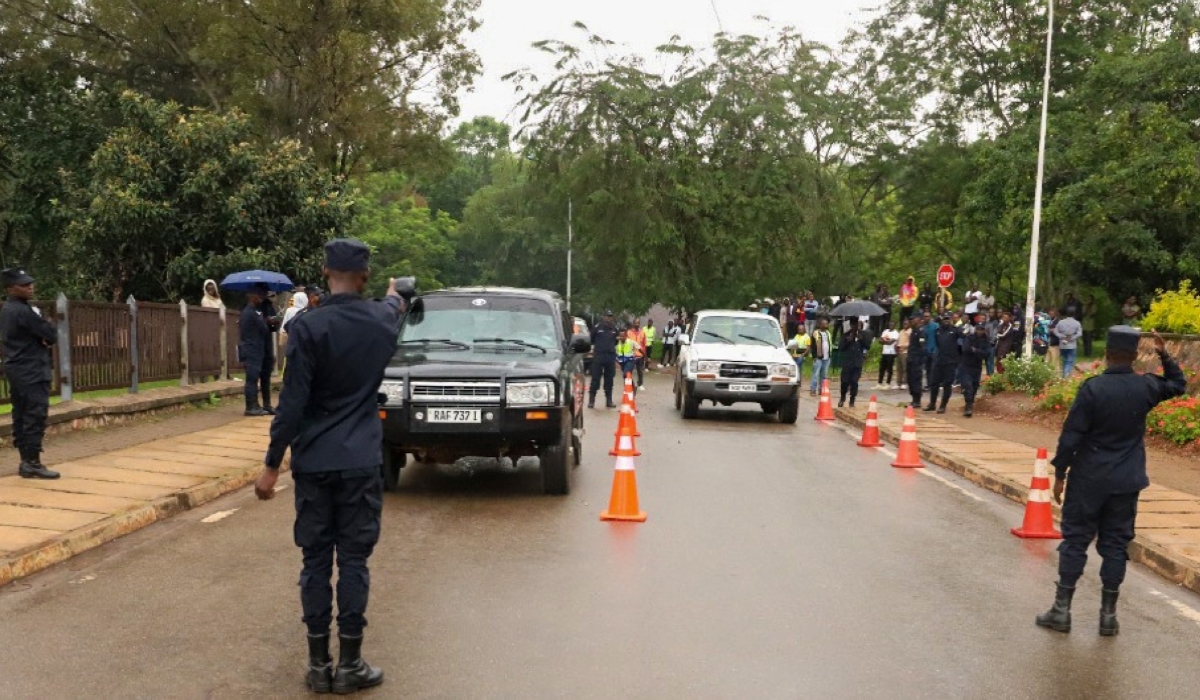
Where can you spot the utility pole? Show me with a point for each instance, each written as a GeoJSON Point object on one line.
{"type": "Point", "coordinates": [1035, 242]}
{"type": "Point", "coordinates": [570, 249]}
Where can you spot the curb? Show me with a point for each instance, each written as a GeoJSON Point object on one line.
{"type": "Point", "coordinates": [1149, 554]}
{"type": "Point", "coordinates": [67, 545]}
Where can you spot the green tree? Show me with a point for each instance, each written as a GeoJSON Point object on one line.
{"type": "Point", "coordinates": [475, 146]}
{"type": "Point", "coordinates": [175, 196]}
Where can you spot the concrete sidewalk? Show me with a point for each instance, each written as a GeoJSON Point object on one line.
{"type": "Point", "coordinates": [1168, 525]}
{"type": "Point", "coordinates": [101, 498]}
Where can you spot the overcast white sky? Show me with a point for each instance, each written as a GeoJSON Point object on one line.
{"type": "Point", "coordinates": [510, 26]}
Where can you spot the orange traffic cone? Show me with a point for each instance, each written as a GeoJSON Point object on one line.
{"type": "Point", "coordinates": [626, 428]}
{"type": "Point", "coordinates": [870, 436]}
{"type": "Point", "coordinates": [825, 408]}
{"type": "Point", "coordinates": [908, 456]}
{"type": "Point", "coordinates": [630, 396]}
{"type": "Point", "coordinates": [1039, 514]}
{"type": "Point", "coordinates": [623, 504]}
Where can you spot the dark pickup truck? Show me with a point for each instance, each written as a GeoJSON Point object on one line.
{"type": "Point", "coordinates": [486, 372]}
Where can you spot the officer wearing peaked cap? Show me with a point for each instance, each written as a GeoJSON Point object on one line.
{"type": "Point", "coordinates": [27, 338]}
{"type": "Point", "coordinates": [1101, 461]}
{"type": "Point", "coordinates": [328, 416]}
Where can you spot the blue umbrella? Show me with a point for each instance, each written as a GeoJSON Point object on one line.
{"type": "Point", "coordinates": [248, 280]}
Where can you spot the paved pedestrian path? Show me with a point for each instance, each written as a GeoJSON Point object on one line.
{"type": "Point", "coordinates": [1168, 524]}
{"type": "Point", "coordinates": [102, 497]}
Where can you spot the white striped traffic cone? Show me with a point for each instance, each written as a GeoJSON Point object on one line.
{"type": "Point", "coordinates": [908, 456]}
{"type": "Point", "coordinates": [870, 436]}
{"type": "Point", "coordinates": [1039, 514]}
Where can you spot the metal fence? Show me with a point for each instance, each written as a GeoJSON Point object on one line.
{"type": "Point", "coordinates": [119, 346]}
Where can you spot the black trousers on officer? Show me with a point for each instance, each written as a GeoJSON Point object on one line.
{"type": "Point", "coordinates": [258, 379]}
{"type": "Point", "coordinates": [971, 378]}
{"type": "Point", "coordinates": [30, 406]}
{"type": "Point", "coordinates": [603, 366]}
{"type": "Point", "coordinates": [1094, 515]}
{"type": "Point", "coordinates": [850, 379]}
{"type": "Point", "coordinates": [337, 513]}
{"type": "Point", "coordinates": [915, 377]}
{"type": "Point", "coordinates": [942, 379]}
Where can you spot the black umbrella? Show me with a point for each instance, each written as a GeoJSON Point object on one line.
{"type": "Point", "coordinates": [858, 307]}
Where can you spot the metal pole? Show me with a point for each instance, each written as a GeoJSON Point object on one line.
{"type": "Point", "coordinates": [224, 345]}
{"type": "Point", "coordinates": [570, 248]}
{"type": "Point", "coordinates": [1035, 241]}
{"type": "Point", "coordinates": [65, 382]}
{"type": "Point", "coordinates": [134, 354]}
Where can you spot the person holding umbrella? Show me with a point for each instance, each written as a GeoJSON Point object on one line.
{"type": "Point", "coordinates": [256, 349]}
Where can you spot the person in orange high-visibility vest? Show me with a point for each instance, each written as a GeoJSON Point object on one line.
{"type": "Point", "coordinates": [638, 335]}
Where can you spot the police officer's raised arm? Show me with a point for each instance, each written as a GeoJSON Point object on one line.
{"type": "Point", "coordinates": [1173, 382]}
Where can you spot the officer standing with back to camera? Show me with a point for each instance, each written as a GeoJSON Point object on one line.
{"type": "Point", "coordinates": [945, 363]}
{"type": "Point", "coordinates": [328, 415]}
{"type": "Point", "coordinates": [1101, 461]}
{"type": "Point", "coordinates": [604, 359]}
{"type": "Point", "coordinates": [27, 339]}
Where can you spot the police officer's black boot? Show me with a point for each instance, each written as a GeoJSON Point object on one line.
{"type": "Point", "coordinates": [32, 468]}
{"type": "Point", "coordinates": [932, 401]}
{"type": "Point", "coordinates": [1108, 613]}
{"type": "Point", "coordinates": [945, 400]}
{"type": "Point", "coordinates": [969, 410]}
{"type": "Point", "coordinates": [320, 663]}
{"type": "Point", "coordinates": [353, 673]}
{"type": "Point", "coordinates": [1058, 617]}
{"type": "Point", "coordinates": [591, 400]}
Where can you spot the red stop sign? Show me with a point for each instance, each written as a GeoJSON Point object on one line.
{"type": "Point", "coordinates": [945, 275]}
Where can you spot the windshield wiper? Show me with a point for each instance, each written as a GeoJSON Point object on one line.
{"type": "Point", "coordinates": [443, 341]}
{"type": "Point", "coordinates": [511, 341]}
{"type": "Point", "coordinates": [719, 337]}
{"type": "Point", "coordinates": [760, 340]}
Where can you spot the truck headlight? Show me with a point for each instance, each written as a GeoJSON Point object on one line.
{"type": "Point", "coordinates": [707, 366]}
{"type": "Point", "coordinates": [394, 391]}
{"type": "Point", "coordinates": [529, 393]}
{"type": "Point", "coordinates": [787, 369]}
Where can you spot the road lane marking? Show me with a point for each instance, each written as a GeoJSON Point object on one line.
{"type": "Point", "coordinates": [892, 455]}
{"type": "Point", "coordinates": [85, 579]}
{"type": "Point", "coordinates": [281, 487]}
{"type": "Point", "coordinates": [218, 516]}
{"type": "Point", "coordinates": [1183, 609]}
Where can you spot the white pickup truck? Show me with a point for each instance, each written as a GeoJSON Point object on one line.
{"type": "Point", "coordinates": [730, 357]}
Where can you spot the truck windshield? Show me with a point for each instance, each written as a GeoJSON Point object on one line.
{"type": "Point", "coordinates": [461, 321]}
{"type": "Point", "coordinates": [738, 330]}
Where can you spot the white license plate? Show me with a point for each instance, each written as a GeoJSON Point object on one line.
{"type": "Point", "coordinates": [743, 387]}
{"type": "Point", "coordinates": [453, 415]}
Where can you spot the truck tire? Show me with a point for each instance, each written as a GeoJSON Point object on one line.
{"type": "Point", "coordinates": [393, 462]}
{"type": "Point", "coordinates": [678, 394]}
{"type": "Point", "coordinates": [555, 463]}
{"type": "Point", "coordinates": [789, 411]}
{"type": "Point", "coordinates": [691, 405]}
{"type": "Point", "coordinates": [577, 441]}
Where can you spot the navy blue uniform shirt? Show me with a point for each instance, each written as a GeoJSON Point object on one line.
{"type": "Point", "coordinates": [328, 410]}
{"type": "Point", "coordinates": [1103, 438]}
{"type": "Point", "coordinates": [946, 345]}
{"type": "Point", "coordinates": [254, 334]}
{"type": "Point", "coordinates": [27, 338]}
{"type": "Point", "coordinates": [604, 339]}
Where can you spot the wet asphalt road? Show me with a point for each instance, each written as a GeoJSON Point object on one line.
{"type": "Point", "coordinates": [777, 562]}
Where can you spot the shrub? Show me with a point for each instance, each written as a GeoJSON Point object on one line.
{"type": "Point", "coordinates": [1028, 374]}
{"type": "Point", "coordinates": [1175, 311]}
{"type": "Point", "coordinates": [996, 384]}
{"type": "Point", "coordinates": [1059, 395]}
{"type": "Point", "coordinates": [1177, 420]}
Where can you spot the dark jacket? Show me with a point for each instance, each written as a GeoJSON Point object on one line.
{"type": "Point", "coordinates": [1103, 438]}
{"type": "Point", "coordinates": [854, 349]}
{"type": "Point", "coordinates": [975, 350]}
{"type": "Point", "coordinates": [946, 343]}
{"type": "Point", "coordinates": [254, 335]}
{"type": "Point", "coordinates": [328, 410]}
{"type": "Point", "coordinates": [604, 339]}
{"type": "Point", "coordinates": [916, 348]}
{"type": "Point", "coordinates": [27, 338]}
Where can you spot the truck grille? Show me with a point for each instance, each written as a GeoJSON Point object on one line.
{"type": "Point", "coordinates": [463, 392]}
{"type": "Point", "coordinates": [739, 371]}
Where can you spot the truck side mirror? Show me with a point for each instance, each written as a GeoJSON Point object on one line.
{"type": "Point", "coordinates": [581, 342]}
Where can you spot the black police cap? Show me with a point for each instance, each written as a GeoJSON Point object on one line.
{"type": "Point", "coordinates": [347, 255]}
{"type": "Point", "coordinates": [15, 275]}
{"type": "Point", "coordinates": [1124, 338]}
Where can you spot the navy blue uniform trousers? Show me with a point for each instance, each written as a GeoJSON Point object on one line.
{"type": "Point", "coordinates": [1092, 514]}
{"type": "Point", "coordinates": [337, 513]}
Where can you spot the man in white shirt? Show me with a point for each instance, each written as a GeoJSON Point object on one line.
{"type": "Point", "coordinates": [972, 306]}
{"type": "Point", "coordinates": [887, 361]}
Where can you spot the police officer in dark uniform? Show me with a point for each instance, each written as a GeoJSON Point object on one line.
{"type": "Point", "coordinates": [1102, 456]}
{"type": "Point", "coordinates": [976, 347]}
{"type": "Point", "coordinates": [604, 359]}
{"type": "Point", "coordinates": [256, 350]}
{"type": "Point", "coordinates": [27, 338]}
{"type": "Point", "coordinates": [328, 415]}
{"type": "Point", "coordinates": [916, 359]}
{"type": "Point", "coordinates": [945, 363]}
